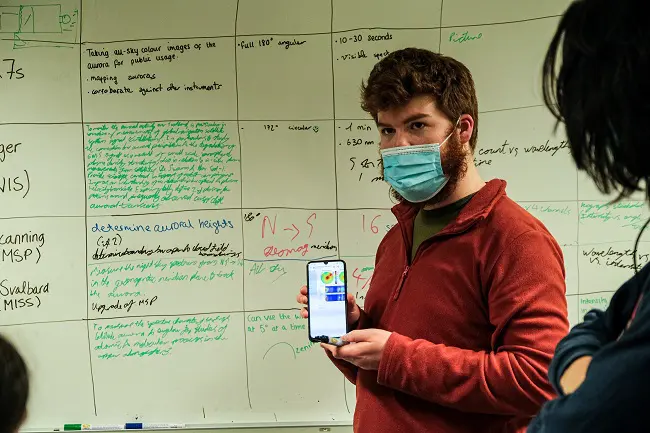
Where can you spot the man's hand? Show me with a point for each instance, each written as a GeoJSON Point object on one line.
{"type": "Point", "coordinates": [353, 309]}
{"type": "Point", "coordinates": [575, 374]}
{"type": "Point", "coordinates": [365, 349]}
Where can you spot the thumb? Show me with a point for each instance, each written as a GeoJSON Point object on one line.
{"type": "Point", "coordinates": [358, 336]}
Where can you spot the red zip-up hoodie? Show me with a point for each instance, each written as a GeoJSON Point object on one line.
{"type": "Point", "coordinates": [475, 319]}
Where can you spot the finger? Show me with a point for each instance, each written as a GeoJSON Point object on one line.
{"type": "Point", "coordinates": [352, 351]}
{"type": "Point", "coordinates": [304, 313]}
{"type": "Point", "coordinates": [331, 349]}
{"type": "Point", "coordinates": [352, 303]}
{"type": "Point", "coordinates": [358, 336]}
{"type": "Point", "coordinates": [303, 290]}
{"type": "Point", "coordinates": [302, 299]}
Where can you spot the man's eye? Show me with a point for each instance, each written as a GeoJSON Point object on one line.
{"type": "Point", "coordinates": [387, 131]}
{"type": "Point", "coordinates": [417, 125]}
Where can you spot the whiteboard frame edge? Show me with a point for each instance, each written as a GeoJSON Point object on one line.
{"type": "Point", "coordinates": [219, 426]}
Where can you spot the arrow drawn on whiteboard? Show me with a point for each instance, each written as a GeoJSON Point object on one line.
{"type": "Point", "coordinates": [293, 351]}
{"type": "Point", "coordinates": [293, 229]}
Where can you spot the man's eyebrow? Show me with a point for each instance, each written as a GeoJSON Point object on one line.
{"type": "Point", "coordinates": [416, 116]}
{"type": "Point", "coordinates": [409, 119]}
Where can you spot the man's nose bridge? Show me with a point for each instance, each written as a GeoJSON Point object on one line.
{"type": "Point", "coordinates": [401, 138]}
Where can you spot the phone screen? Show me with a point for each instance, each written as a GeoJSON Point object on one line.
{"type": "Point", "coordinates": [327, 299]}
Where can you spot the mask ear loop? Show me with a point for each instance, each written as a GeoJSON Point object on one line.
{"type": "Point", "coordinates": [451, 133]}
{"type": "Point", "coordinates": [392, 199]}
{"type": "Point", "coordinates": [390, 196]}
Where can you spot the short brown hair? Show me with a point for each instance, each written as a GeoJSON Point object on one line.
{"type": "Point", "coordinates": [410, 72]}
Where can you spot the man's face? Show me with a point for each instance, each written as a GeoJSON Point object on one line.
{"type": "Point", "coordinates": [420, 122]}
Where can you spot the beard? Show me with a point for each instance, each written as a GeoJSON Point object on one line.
{"type": "Point", "coordinates": [453, 158]}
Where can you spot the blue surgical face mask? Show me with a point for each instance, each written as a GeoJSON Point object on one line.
{"type": "Point", "coordinates": [415, 172]}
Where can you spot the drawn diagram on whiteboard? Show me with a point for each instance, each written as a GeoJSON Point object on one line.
{"type": "Point", "coordinates": [40, 26]}
{"type": "Point", "coordinates": [284, 345]}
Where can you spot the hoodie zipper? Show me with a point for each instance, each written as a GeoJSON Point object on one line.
{"type": "Point", "coordinates": [423, 246]}
{"type": "Point", "coordinates": [401, 282]}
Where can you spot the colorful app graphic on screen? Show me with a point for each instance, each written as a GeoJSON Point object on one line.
{"type": "Point", "coordinates": [327, 277]}
{"type": "Point", "coordinates": [327, 299]}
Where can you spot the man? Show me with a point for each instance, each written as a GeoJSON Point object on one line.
{"type": "Point", "coordinates": [467, 300]}
{"type": "Point", "coordinates": [600, 370]}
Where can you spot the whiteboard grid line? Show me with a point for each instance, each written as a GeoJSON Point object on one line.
{"type": "Point", "coordinates": [85, 182]}
{"type": "Point", "coordinates": [339, 209]}
{"type": "Point", "coordinates": [241, 210]}
{"type": "Point", "coordinates": [119, 122]}
{"type": "Point", "coordinates": [243, 312]}
{"type": "Point", "coordinates": [338, 255]}
{"type": "Point", "coordinates": [336, 184]}
{"type": "Point", "coordinates": [598, 292]}
{"type": "Point", "coordinates": [442, 4]}
{"type": "Point", "coordinates": [332, 32]}
{"type": "Point", "coordinates": [95, 319]}
{"type": "Point", "coordinates": [578, 249]}
{"type": "Point", "coordinates": [305, 260]}
{"type": "Point", "coordinates": [44, 322]}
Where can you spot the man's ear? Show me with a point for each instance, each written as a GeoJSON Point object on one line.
{"type": "Point", "coordinates": [466, 126]}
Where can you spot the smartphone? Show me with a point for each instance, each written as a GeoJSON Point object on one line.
{"type": "Point", "coordinates": [327, 294]}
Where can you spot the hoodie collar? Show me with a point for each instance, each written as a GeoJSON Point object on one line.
{"type": "Point", "coordinates": [476, 209]}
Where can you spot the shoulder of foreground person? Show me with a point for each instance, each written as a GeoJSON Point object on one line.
{"type": "Point", "coordinates": [614, 394]}
{"type": "Point", "coordinates": [598, 327]}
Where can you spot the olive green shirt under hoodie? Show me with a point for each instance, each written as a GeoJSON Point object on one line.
{"type": "Point", "coordinates": [427, 223]}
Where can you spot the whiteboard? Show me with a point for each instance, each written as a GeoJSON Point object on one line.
{"type": "Point", "coordinates": [168, 167]}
